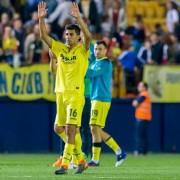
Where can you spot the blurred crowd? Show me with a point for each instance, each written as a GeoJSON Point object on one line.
{"type": "Point", "coordinates": [131, 46]}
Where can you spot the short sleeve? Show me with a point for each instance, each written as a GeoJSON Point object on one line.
{"type": "Point", "coordinates": [57, 47]}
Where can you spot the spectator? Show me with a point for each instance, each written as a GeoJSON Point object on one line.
{"type": "Point", "coordinates": [142, 105]}
{"type": "Point", "coordinates": [117, 16]}
{"type": "Point", "coordinates": [144, 56]}
{"type": "Point", "coordinates": [156, 48]}
{"type": "Point", "coordinates": [51, 4]}
{"type": "Point", "coordinates": [128, 61]}
{"type": "Point", "coordinates": [4, 21]}
{"type": "Point", "coordinates": [172, 16]}
{"type": "Point", "coordinates": [94, 17]}
{"type": "Point", "coordinates": [106, 25]}
{"type": "Point", "coordinates": [137, 31]}
{"type": "Point", "coordinates": [33, 47]}
{"type": "Point", "coordinates": [30, 23]}
{"type": "Point", "coordinates": [167, 53]}
{"type": "Point", "coordinates": [61, 13]}
{"type": "Point", "coordinates": [10, 45]}
{"type": "Point", "coordinates": [176, 49]}
{"type": "Point", "coordinates": [6, 7]}
{"type": "Point", "coordinates": [19, 6]}
{"type": "Point", "coordinates": [20, 36]}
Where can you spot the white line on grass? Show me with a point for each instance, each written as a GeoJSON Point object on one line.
{"type": "Point", "coordinates": [73, 176]}
{"type": "Point", "coordinates": [18, 176]}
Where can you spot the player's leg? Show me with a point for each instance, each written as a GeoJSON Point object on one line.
{"type": "Point", "coordinates": [109, 141]}
{"type": "Point", "coordinates": [70, 130]}
{"type": "Point", "coordinates": [73, 113]}
{"type": "Point", "coordinates": [78, 153]}
{"type": "Point", "coordinates": [68, 148]}
{"type": "Point", "coordinates": [96, 122]}
{"type": "Point", "coordinates": [85, 129]}
{"type": "Point", "coordinates": [138, 138]}
{"type": "Point", "coordinates": [96, 145]}
{"type": "Point", "coordinates": [59, 124]}
{"type": "Point", "coordinates": [144, 136]}
{"type": "Point", "coordinates": [82, 165]}
{"type": "Point", "coordinates": [60, 131]}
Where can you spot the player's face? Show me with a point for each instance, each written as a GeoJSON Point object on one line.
{"type": "Point", "coordinates": [71, 37]}
{"type": "Point", "coordinates": [100, 51]}
{"type": "Point", "coordinates": [140, 87]}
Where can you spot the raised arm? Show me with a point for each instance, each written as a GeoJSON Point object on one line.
{"type": "Point", "coordinates": [53, 62]}
{"type": "Point", "coordinates": [42, 12]}
{"type": "Point", "coordinates": [76, 13]}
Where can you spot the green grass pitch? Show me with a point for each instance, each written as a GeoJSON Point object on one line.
{"type": "Point", "coordinates": [38, 167]}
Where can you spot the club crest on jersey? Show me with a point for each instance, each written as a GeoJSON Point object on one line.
{"type": "Point", "coordinates": [68, 60]}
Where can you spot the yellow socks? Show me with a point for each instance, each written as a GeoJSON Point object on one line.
{"type": "Point", "coordinates": [68, 151]}
{"type": "Point", "coordinates": [96, 151]}
{"type": "Point", "coordinates": [78, 148]}
{"type": "Point", "coordinates": [63, 136]}
{"type": "Point", "coordinates": [74, 159]}
{"type": "Point", "coordinates": [113, 145]}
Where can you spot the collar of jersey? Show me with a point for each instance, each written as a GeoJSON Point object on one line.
{"type": "Point", "coordinates": [72, 48]}
{"type": "Point", "coordinates": [101, 59]}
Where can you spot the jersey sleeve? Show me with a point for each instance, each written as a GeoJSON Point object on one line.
{"type": "Point", "coordinates": [140, 99]}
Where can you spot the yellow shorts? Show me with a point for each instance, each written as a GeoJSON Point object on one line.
{"type": "Point", "coordinates": [69, 107]}
{"type": "Point", "coordinates": [99, 112]}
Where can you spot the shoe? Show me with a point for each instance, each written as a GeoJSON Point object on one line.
{"type": "Point", "coordinates": [120, 158]}
{"type": "Point", "coordinates": [81, 167]}
{"type": "Point", "coordinates": [93, 164]}
{"type": "Point", "coordinates": [58, 162]}
{"type": "Point", "coordinates": [62, 170]}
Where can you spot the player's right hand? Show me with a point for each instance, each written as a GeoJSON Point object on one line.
{"type": "Point", "coordinates": [42, 9]}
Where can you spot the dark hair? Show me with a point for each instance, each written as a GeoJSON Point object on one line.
{"type": "Point", "coordinates": [145, 85]}
{"type": "Point", "coordinates": [102, 42]}
{"type": "Point", "coordinates": [74, 27]}
{"type": "Point", "coordinates": [174, 5]}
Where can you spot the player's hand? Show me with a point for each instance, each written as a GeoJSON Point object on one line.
{"type": "Point", "coordinates": [42, 9]}
{"type": "Point", "coordinates": [134, 103]}
{"type": "Point", "coordinates": [75, 10]}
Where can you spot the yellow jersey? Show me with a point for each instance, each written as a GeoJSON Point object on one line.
{"type": "Point", "coordinates": [9, 43]}
{"type": "Point", "coordinates": [71, 67]}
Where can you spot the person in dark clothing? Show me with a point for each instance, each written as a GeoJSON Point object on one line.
{"type": "Point", "coordinates": [128, 62]}
{"type": "Point", "coordinates": [157, 49]}
{"type": "Point", "coordinates": [94, 17]}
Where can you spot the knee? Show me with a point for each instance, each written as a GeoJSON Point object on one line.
{"type": "Point", "coordinates": [77, 130]}
{"type": "Point", "coordinates": [58, 129]}
{"type": "Point", "coordinates": [94, 130]}
{"type": "Point", "coordinates": [71, 131]}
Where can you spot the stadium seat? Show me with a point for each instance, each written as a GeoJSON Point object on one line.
{"type": "Point", "coordinates": [152, 11]}
{"type": "Point", "coordinates": [160, 12]}
{"type": "Point", "coordinates": [131, 11]}
{"type": "Point", "coordinates": [140, 9]}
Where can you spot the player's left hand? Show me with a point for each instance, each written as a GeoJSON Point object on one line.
{"type": "Point", "coordinates": [135, 103]}
{"type": "Point", "coordinates": [75, 10]}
